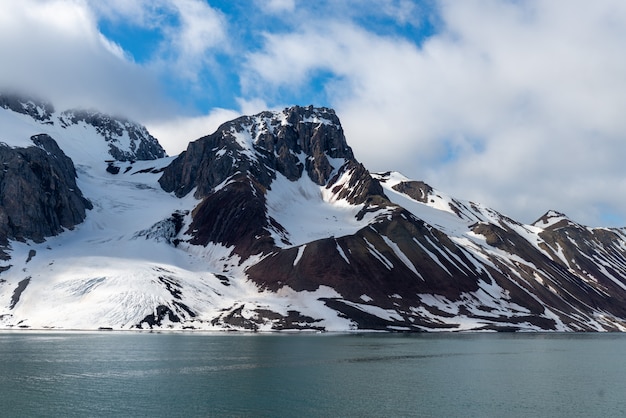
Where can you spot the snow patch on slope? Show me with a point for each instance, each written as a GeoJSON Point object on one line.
{"type": "Point", "coordinates": [308, 212]}
{"type": "Point", "coordinates": [401, 255]}
{"type": "Point", "coordinates": [342, 253]}
{"type": "Point", "coordinates": [299, 255]}
{"type": "Point", "coordinates": [80, 141]}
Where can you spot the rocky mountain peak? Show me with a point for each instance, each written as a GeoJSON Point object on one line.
{"type": "Point", "coordinates": [290, 142]}
{"type": "Point", "coordinates": [37, 109]}
{"type": "Point", "coordinates": [126, 140]}
{"type": "Point", "coordinates": [235, 169]}
{"type": "Point", "coordinates": [292, 137]}
{"type": "Point", "coordinates": [553, 219]}
{"type": "Point", "coordinates": [39, 193]}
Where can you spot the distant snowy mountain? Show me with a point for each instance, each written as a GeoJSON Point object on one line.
{"type": "Point", "coordinates": [270, 223]}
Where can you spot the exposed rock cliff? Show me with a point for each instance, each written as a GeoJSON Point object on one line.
{"type": "Point", "coordinates": [232, 169]}
{"type": "Point", "coordinates": [38, 192]}
{"type": "Point", "coordinates": [37, 109]}
{"type": "Point", "coordinates": [290, 142]}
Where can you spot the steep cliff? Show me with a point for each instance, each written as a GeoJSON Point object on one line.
{"type": "Point", "coordinates": [38, 192]}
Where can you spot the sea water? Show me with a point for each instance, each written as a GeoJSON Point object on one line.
{"type": "Point", "coordinates": [129, 374]}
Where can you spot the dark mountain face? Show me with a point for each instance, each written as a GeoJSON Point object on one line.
{"type": "Point", "coordinates": [295, 141]}
{"type": "Point", "coordinates": [37, 109]}
{"type": "Point", "coordinates": [232, 169]}
{"type": "Point", "coordinates": [38, 192]}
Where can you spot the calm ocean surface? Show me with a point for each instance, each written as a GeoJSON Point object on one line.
{"type": "Point", "coordinates": [297, 375]}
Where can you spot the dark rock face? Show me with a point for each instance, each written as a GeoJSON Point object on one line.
{"type": "Point", "coordinates": [297, 140]}
{"type": "Point", "coordinates": [143, 146]}
{"type": "Point", "coordinates": [37, 109]}
{"type": "Point", "coordinates": [165, 230]}
{"type": "Point", "coordinates": [233, 216]}
{"type": "Point", "coordinates": [595, 259]}
{"type": "Point", "coordinates": [360, 188]}
{"type": "Point", "coordinates": [293, 320]}
{"type": "Point", "coordinates": [366, 264]}
{"type": "Point", "coordinates": [38, 192]}
{"type": "Point", "coordinates": [232, 169]}
{"type": "Point", "coordinates": [161, 313]}
{"type": "Point", "coordinates": [417, 190]}
{"type": "Point", "coordinates": [17, 293]}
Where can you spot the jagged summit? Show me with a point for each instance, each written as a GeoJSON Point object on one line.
{"type": "Point", "coordinates": [127, 140]}
{"type": "Point", "coordinates": [290, 142]}
{"type": "Point", "coordinates": [297, 133]}
{"type": "Point", "coordinates": [38, 109]}
{"type": "Point", "coordinates": [82, 134]}
{"type": "Point", "coordinates": [553, 219]}
{"type": "Point", "coordinates": [252, 160]}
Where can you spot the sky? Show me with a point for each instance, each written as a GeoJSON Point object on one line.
{"type": "Point", "coordinates": [516, 104]}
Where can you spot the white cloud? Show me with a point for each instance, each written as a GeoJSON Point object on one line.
{"type": "Point", "coordinates": [277, 6]}
{"type": "Point", "coordinates": [527, 95]}
{"type": "Point", "coordinates": [142, 13]}
{"type": "Point", "coordinates": [403, 11]}
{"type": "Point", "coordinates": [201, 29]}
{"type": "Point", "coordinates": [191, 31]}
{"type": "Point", "coordinates": [254, 106]}
{"type": "Point", "coordinates": [53, 49]}
{"type": "Point", "coordinates": [175, 133]}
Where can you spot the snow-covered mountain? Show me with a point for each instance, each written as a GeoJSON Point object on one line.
{"type": "Point", "coordinates": [270, 223]}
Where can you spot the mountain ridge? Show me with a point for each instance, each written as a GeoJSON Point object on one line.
{"type": "Point", "coordinates": [270, 223]}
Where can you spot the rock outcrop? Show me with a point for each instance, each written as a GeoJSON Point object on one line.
{"type": "Point", "coordinates": [297, 140]}
{"type": "Point", "coordinates": [127, 140]}
{"type": "Point", "coordinates": [38, 192]}
{"type": "Point", "coordinates": [231, 170]}
{"type": "Point", "coordinates": [37, 109]}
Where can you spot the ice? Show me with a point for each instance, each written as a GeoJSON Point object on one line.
{"type": "Point", "coordinates": [308, 212]}
{"type": "Point", "coordinates": [17, 128]}
{"type": "Point", "coordinates": [245, 141]}
{"type": "Point", "coordinates": [80, 141]}
{"type": "Point", "coordinates": [318, 120]}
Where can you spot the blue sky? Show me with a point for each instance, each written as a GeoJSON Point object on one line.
{"type": "Point", "coordinates": [515, 104]}
{"type": "Point", "coordinates": [246, 22]}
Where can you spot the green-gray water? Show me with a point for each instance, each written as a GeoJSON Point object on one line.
{"type": "Point", "coordinates": [189, 375]}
